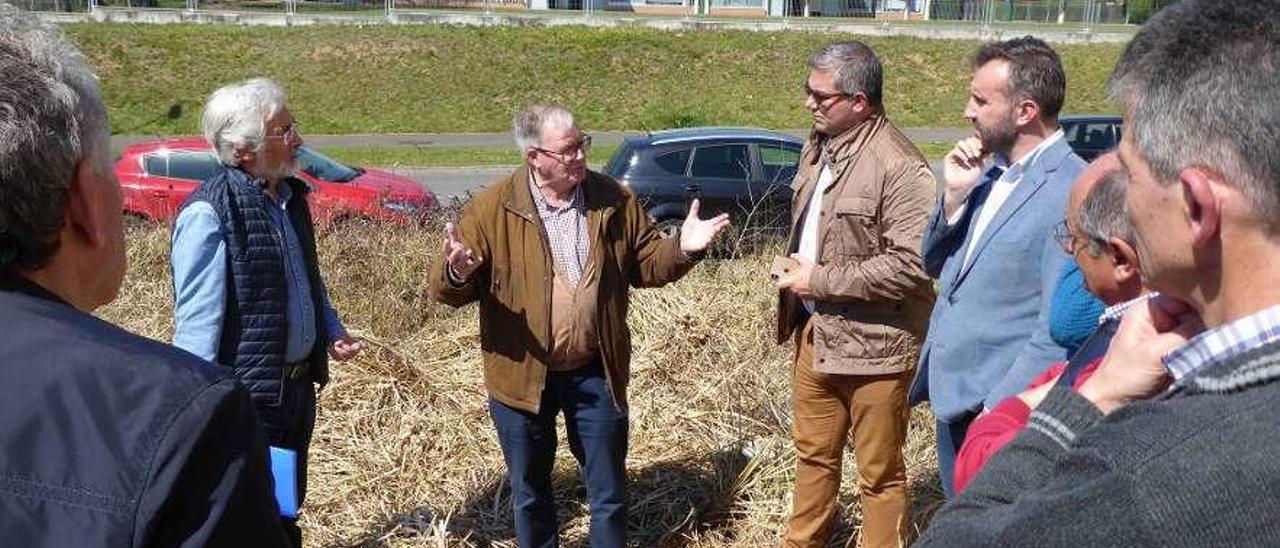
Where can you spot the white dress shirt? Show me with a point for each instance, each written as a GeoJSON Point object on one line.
{"type": "Point", "coordinates": [809, 233]}
{"type": "Point", "coordinates": [1001, 188]}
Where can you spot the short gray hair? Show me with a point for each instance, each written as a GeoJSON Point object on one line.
{"type": "Point", "coordinates": [528, 125]}
{"type": "Point", "coordinates": [235, 116]}
{"type": "Point", "coordinates": [52, 118]}
{"type": "Point", "coordinates": [1201, 83]}
{"type": "Point", "coordinates": [857, 68]}
{"type": "Point", "coordinates": [1102, 214]}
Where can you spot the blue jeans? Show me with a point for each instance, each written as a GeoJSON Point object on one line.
{"type": "Point", "coordinates": [597, 433]}
{"type": "Point", "coordinates": [950, 437]}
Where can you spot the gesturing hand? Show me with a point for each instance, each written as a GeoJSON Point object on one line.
{"type": "Point", "coordinates": [1133, 368]}
{"type": "Point", "coordinates": [696, 234]}
{"type": "Point", "coordinates": [961, 170]}
{"type": "Point", "coordinates": [461, 261]}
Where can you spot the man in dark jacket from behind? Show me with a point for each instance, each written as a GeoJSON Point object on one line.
{"type": "Point", "coordinates": [1173, 441]}
{"type": "Point", "coordinates": [109, 439]}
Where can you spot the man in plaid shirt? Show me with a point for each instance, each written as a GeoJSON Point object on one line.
{"type": "Point", "coordinates": [1173, 441]}
{"type": "Point", "coordinates": [550, 253]}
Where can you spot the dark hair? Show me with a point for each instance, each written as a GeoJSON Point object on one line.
{"type": "Point", "coordinates": [1201, 83]}
{"type": "Point", "coordinates": [1035, 71]}
{"type": "Point", "coordinates": [51, 117]}
{"type": "Point", "coordinates": [856, 68]}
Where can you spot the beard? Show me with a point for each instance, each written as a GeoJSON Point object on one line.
{"type": "Point", "coordinates": [281, 170]}
{"type": "Point", "coordinates": [1000, 136]}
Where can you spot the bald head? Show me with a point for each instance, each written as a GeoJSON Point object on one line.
{"type": "Point", "coordinates": [1100, 229]}
{"type": "Point", "coordinates": [1101, 166]}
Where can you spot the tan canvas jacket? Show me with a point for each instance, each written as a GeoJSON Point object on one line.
{"type": "Point", "coordinates": [872, 296]}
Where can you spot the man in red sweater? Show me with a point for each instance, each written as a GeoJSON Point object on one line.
{"type": "Point", "coordinates": [1097, 233]}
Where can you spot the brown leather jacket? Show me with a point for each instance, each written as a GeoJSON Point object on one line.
{"type": "Point", "coordinates": [872, 296]}
{"type": "Point", "coordinates": [513, 285]}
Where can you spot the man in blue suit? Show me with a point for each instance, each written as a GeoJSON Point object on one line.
{"type": "Point", "coordinates": [989, 241]}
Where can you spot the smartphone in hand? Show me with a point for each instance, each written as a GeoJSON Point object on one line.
{"type": "Point", "coordinates": [782, 266]}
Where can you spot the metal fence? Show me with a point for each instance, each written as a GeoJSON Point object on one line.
{"type": "Point", "coordinates": [61, 6]}
{"type": "Point", "coordinates": [1087, 12]}
{"type": "Point", "coordinates": [1030, 11]}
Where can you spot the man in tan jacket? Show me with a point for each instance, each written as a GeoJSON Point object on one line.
{"type": "Point", "coordinates": [550, 252]}
{"type": "Point", "coordinates": [857, 301]}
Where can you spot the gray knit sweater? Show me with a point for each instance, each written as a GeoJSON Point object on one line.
{"type": "Point", "coordinates": [1199, 466]}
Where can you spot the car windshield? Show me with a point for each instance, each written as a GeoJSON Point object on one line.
{"type": "Point", "coordinates": [1100, 135]}
{"type": "Point", "coordinates": [324, 168]}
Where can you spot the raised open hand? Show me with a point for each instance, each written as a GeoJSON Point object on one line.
{"type": "Point", "coordinates": [696, 234]}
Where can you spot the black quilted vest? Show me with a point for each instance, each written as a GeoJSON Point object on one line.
{"type": "Point", "coordinates": [253, 326]}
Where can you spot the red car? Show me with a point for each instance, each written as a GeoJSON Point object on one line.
{"type": "Point", "coordinates": [157, 176]}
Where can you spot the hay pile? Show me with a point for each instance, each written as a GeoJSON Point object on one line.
{"type": "Point", "coordinates": [405, 453]}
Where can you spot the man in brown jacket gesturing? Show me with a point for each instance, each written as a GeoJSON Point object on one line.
{"type": "Point", "coordinates": [857, 301]}
{"type": "Point", "coordinates": [550, 253]}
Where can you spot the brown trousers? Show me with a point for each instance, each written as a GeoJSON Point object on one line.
{"type": "Point", "coordinates": [826, 407]}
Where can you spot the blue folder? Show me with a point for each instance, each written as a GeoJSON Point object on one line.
{"type": "Point", "coordinates": [284, 464]}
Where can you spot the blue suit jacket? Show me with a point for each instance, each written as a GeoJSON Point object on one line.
{"type": "Point", "coordinates": [989, 331]}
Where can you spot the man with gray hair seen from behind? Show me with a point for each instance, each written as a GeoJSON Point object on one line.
{"type": "Point", "coordinates": [1173, 441]}
{"type": "Point", "coordinates": [110, 439]}
{"type": "Point", "coordinates": [550, 253]}
{"type": "Point", "coordinates": [857, 301]}
{"type": "Point", "coordinates": [247, 286]}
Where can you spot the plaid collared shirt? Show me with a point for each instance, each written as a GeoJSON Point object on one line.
{"type": "Point", "coordinates": [1224, 342]}
{"type": "Point", "coordinates": [566, 231]}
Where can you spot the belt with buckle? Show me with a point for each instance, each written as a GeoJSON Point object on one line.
{"type": "Point", "coordinates": [295, 370]}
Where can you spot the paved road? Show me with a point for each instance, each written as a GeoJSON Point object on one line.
{"type": "Point", "coordinates": [455, 182]}
{"type": "Point", "coordinates": [448, 182]}
{"type": "Point", "coordinates": [475, 140]}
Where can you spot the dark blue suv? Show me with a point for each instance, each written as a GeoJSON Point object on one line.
{"type": "Point", "coordinates": [744, 172]}
{"type": "Point", "coordinates": [1091, 135]}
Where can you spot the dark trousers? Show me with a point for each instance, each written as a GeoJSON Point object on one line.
{"type": "Point", "coordinates": [950, 437]}
{"type": "Point", "coordinates": [597, 433]}
{"type": "Point", "coordinates": [297, 415]}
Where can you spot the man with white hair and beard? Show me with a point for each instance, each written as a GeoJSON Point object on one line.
{"type": "Point", "coordinates": [109, 439]}
{"type": "Point", "coordinates": [247, 285]}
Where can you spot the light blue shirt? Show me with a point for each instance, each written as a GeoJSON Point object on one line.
{"type": "Point", "coordinates": [200, 277]}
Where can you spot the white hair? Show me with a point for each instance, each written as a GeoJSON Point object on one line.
{"type": "Point", "coordinates": [528, 125]}
{"type": "Point", "coordinates": [235, 116]}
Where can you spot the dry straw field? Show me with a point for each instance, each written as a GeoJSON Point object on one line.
{"type": "Point", "coordinates": [405, 454]}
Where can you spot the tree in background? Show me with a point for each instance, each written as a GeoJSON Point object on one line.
{"type": "Point", "coordinates": [1138, 11]}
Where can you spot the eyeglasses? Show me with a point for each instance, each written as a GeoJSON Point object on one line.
{"type": "Point", "coordinates": [819, 96]}
{"type": "Point", "coordinates": [1062, 234]}
{"type": "Point", "coordinates": [581, 147]}
{"type": "Point", "coordinates": [290, 131]}
{"type": "Point", "coordinates": [1069, 242]}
